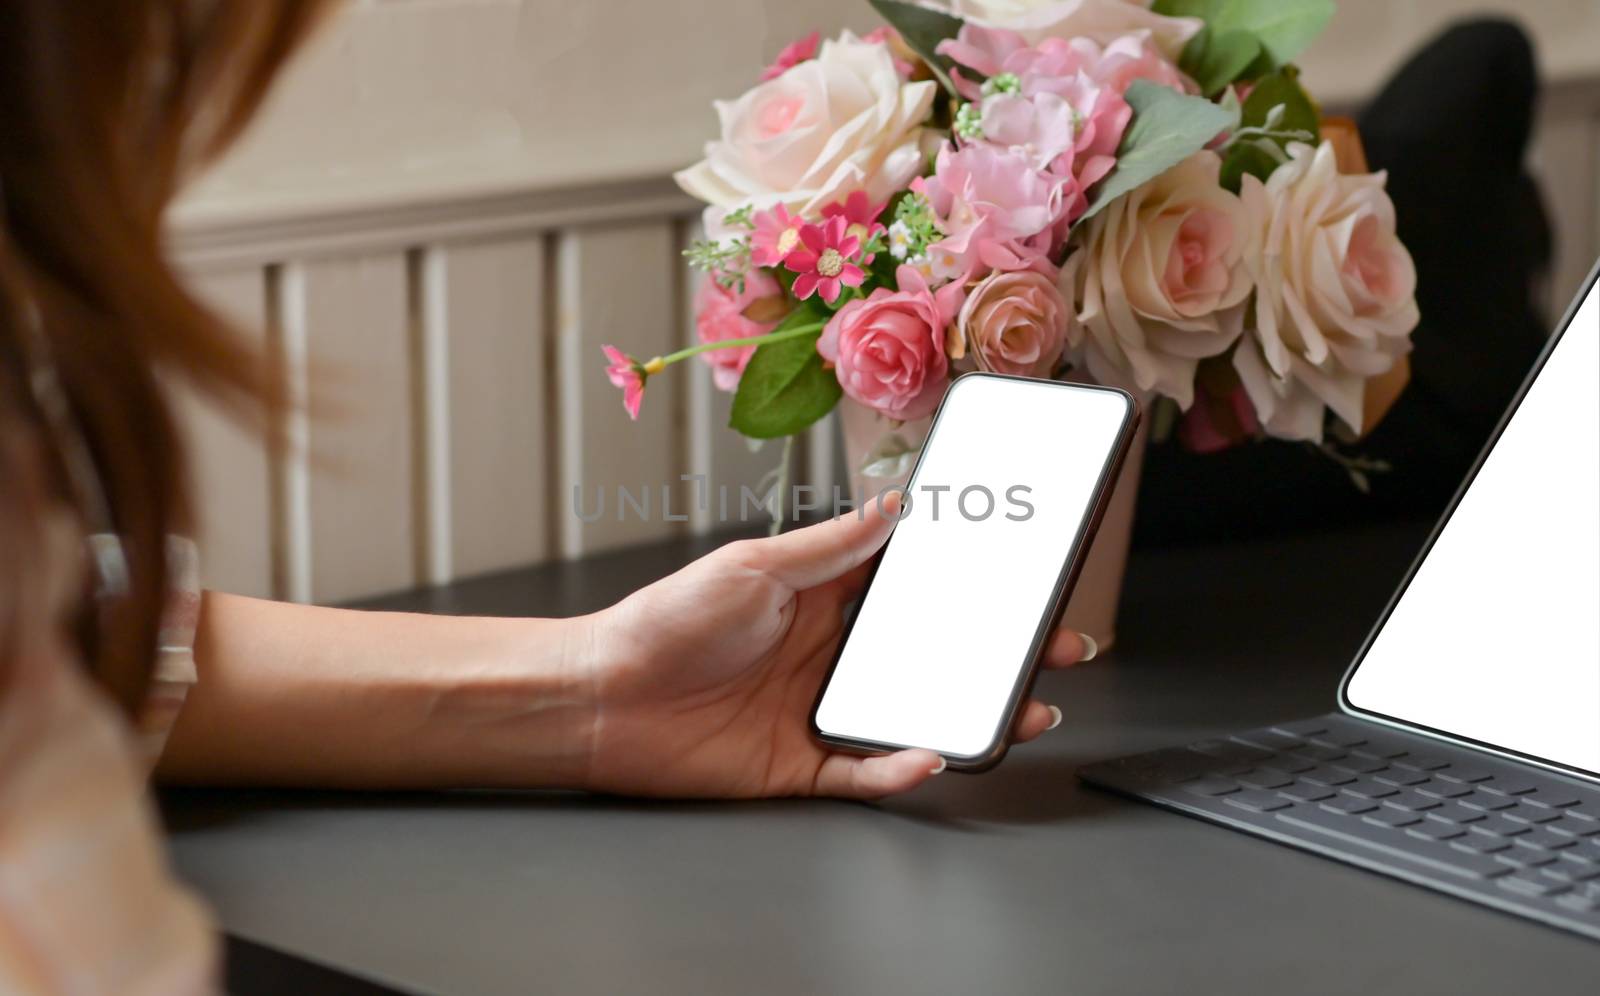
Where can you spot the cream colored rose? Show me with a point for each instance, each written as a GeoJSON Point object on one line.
{"type": "Point", "coordinates": [842, 122]}
{"type": "Point", "coordinates": [1103, 21]}
{"type": "Point", "coordinates": [1163, 280]}
{"type": "Point", "coordinates": [1336, 293]}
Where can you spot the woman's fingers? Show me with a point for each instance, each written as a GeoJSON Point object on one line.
{"type": "Point", "coordinates": [1036, 718]}
{"type": "Point", "coordinates": [1068, 648]}
{"type": "Point", "coordinates": [850, 777]}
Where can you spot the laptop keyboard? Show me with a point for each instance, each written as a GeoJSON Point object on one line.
{"type": "Point", "coordinates": [1451, 818]}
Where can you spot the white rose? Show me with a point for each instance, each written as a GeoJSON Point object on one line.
{"type": "Point", "coordinates": [824, 129]}
{"type": "Point", "coordinates": [1164, 279]}
{"type": "Point", "coordinates": [1336, 295]}
{"type": "Point", "coordinates": [1103, 21]}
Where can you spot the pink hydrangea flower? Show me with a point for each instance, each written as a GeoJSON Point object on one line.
{"type": "Point", "coordinates": [823, 260]}
{"type": "Point", "coordinates": [860, 215]}
{"type": "Point", "coordinates": [1074, 77]}
{"type": "Point", "coordinates": [776, 234]}
{"type": "Point", "coordinates": [888, 349]}
{"type": "Point", "coordinates": [629, 374]}
{"type": "Point", "coordinates": [792, 55]}
{"type": "Point", "coordinates": [720, 315]}
{"type": "Point", "coordinates": [996, 209]}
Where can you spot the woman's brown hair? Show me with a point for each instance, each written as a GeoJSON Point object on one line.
{"type": "Point", "coordinates": [106, 107]}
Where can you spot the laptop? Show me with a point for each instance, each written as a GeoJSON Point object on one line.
{"type": "Point", "coordinates": [1464, 753]}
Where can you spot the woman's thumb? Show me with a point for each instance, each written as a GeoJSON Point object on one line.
{"type": "Point", "coordinates": [817, 554]}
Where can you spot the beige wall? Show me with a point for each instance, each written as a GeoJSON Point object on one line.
{"type": "Point", "coordinates": [403, 97]}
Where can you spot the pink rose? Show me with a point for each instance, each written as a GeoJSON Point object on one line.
{"type": "Point", "coordinates": [1016, 323]}
{"type": "Point", "coordinates": [888, 349]}
{"type": "Point", "coordinates": [792, 55]}
{"type": "Point", "coordinates": [719, 315]}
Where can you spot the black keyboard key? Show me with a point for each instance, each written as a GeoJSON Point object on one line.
{"type": "Point", "coordinates": [1421, 762]}
{"type": "Point", "coordinates": [1383, 749]}
{"type": "Point", "coordinates": [1402, 777]}
{"type": "Point", "coordinates": [1318, 754]}
{"type": "Point", "coordinates": [1524, 883]}
{"type": "Point", "coordinates": [1292, 764]}
{"type": "Point", "coordinates": [1349, 805]}
{"type": "Point", "coordinates": [1577, 829]}
{"type": "Point", "coordinates": [1303, 727]}
{"type": "Point", "coordinates": [1412, 802]}
{"type": "Point", "coordinates": [1587, 811]}
{"type": "Point", "coordinates": [1445, 790]}
{"type": "Point", "coordinates": [1270, 740]}
{"type": "Point", "coordinates": [1541, 838]}
{"type": "Point", "coordinates": [1550, 798]}
{"type": "Point", "coordinates": [1307, 792]}
{"type": "Point", "coordinates": [1487, 803]}
{"type": "Point", "coordinates": [1369, 789]}
{"type": "Point", "coordinates": [1256, 801]}
{"type": "Point", "coordinates": [1519, 857]}
{"type": "Point", "coordinates": [1339, 738]}
{"type": "Point", "coordinates": [1228, 750]}
{"type": "Point", "coordinates": [1434, 830]}
{"type": "Point", "coordinates": [1395, 818]}
{"type": "Point", "coordinates": [1510, 785]}
{"type": "Point", "coordinates": [1360, 764]}
{"type": "Point", "coordinates": [1452, 813]}
{"type": "Point", "coordinates": [1212, 786]}
{"type": "Point", "coordinates": [1577, 903]}
{"type": "Point", "coordinates": [1499, 826]}
{"type": "Point", "coordinates": [1482, 844]}
{"type": "Point", "coordinates": [1324, 775]}
{"type": "Point", "coordinates": [1265, 778]}
{"type": "Point", "coordinates": [1460, 864]}
{"type": "Point", "coordinates": [1467, 776]}
{"type": "Point", "coordinates": [1531, 815]}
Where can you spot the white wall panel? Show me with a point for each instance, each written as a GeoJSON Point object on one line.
{"type": "Point", "coordinates": [228, 463]}
{"type": "Point", "coordinates": [617, 285]}
{"type": "Point", "coordinates": [488, 448]}
{"type": "Point", "coordinates": [358, 531]}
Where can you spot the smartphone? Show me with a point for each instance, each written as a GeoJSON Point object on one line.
{"type": "Point", "coordinates": [994, 525]}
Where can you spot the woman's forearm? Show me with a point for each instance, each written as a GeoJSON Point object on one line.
{"type": "Point", "coordinates": [302, 695]}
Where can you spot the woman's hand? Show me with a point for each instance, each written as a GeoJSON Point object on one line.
{"type": "Point", "coordinates": [703, 681]}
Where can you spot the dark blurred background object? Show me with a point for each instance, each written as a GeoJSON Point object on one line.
{"type": "Point", "coordinates": [1452, 128]}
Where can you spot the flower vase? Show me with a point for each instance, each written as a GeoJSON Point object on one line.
{"type": "Point", "coordinates": [1093, 607]}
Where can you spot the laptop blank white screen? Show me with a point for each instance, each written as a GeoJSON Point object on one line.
{"type": "Point", "coordinates": [1496, 638]}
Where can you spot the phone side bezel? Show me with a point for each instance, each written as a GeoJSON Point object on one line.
{"type": "Point", "coordinates": [1071, 568]}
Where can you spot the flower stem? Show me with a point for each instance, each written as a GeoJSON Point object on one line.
{"type": "Point", "coordinates": [654, 366]}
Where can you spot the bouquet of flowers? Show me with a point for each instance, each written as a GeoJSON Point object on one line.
{"type": "Point", "coordinates": [1137, 193]}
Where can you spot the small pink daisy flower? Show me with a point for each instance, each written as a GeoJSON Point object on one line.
{"type": "Point", "coordinates": [776, 234]}
{"type": "Point", "coordinates": [860, 215]}
{"type": "Point", "coordinates": [629, 374]}
{"type": "Point", "coordinates": [823, 260]}
{"type": "Point", "coordinates": [792, 55]}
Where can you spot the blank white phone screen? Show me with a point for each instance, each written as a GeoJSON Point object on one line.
{"type": "Point", "coordinates": [1497, 637]}
{"type": "Point", "coordinates": [945, 630]}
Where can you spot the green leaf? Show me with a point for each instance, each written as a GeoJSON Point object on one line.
{"type": "Point", "coordinates": [1168, 127]}
{"type": "Point", "coordinates": [1215, 59]}
{"type": "Point", "coordinates": [785, 387]}
{"type": "Point", "coordinates": [1281, 88]}
{"type": "Point", "coordinates": [1283, 28]}
{"type": "Point", "coordinates": [1241, 159]}
{"type": "Point", "coordinates": [923, 28]}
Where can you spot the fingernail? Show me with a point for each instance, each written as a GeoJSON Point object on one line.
{"type": "Point", "coordinates": [1090, 648]}
{"type": "Point", "coordinates": [938, 767]}
{"type": "Point", "coordinates": [1055, 716]}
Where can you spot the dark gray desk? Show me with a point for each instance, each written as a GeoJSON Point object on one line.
{"type": "Point", "coordinates": [1019, 881]}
